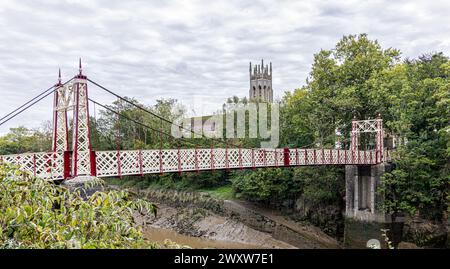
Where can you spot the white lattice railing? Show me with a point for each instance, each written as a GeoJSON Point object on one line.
{"type": "Point", "coordinates": [45, 165]}
{"type": "Point", "coordinates": [135, 162]}
{"type": "Point", "coordinates": [138, 162]}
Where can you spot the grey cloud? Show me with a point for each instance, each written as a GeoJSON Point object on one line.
{"type": "Point", "coordinates": [179, 49]}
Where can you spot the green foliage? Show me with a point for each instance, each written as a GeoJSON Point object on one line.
{"type": "Point", "coordinates": [205, 179]}
{"type": "Point", "coordinates": [39, 214]}
{"type": "Point", "coordinates": [109, 131]}
{"type": "Point", "coordinates": [339, 86]}
{"type": "Point", "coordinates": [296, 128]}
{"type": "Point", "coordinates": [185, 181]}
{"type": "Point", "coordinates": [265, 185]}
{"type": "Point", "coordinates": [320, 185]}
{"type": "Point", "coordinates": [21, 139]}
{"type": "Point", "coordinates": [359, 78]}
{"type": "Point", "coordinates": [421, 107]}
{"type": "Point", "coordinates": [275, 185]}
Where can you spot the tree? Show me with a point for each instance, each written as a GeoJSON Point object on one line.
{"type": "Point", "coordinates": [339, 84]}
{"type": "Point", "coordinates": [421, 179]}
{"type": "Point", "coordinates": [21, 139]}
{"type": "Point", "coordinates": [111, 131]}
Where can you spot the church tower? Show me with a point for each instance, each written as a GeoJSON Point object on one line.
{"type": "Point", "coordinates": [261, 83]}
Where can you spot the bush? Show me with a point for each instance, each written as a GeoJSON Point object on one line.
{"type": "Point", "coordinates": [269, 185]}
{"type": "Point", "coordinates": [320, 185]}
{"type": "Point", "coordinates": [39, 214]}
{"type": "Point", "coordinates": [186, 181]}
{"type": "Point", "coordinates": [276, 185]}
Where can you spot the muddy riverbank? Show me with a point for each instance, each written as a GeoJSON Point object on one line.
{"type": "Point", "coordinates": [200, 228]}
{"type": "Point", "coordinates": [199, 220]}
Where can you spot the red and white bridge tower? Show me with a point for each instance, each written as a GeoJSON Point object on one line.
{"type": "Point", "coordinates": [73, 97]}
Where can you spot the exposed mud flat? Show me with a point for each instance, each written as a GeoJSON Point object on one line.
{"type": "Point", "coordinates": [198, 219]}
{"type": "Point", "coordinates": [200, 228]}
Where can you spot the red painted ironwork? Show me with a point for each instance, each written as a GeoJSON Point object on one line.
{"type": "Point", "coordinates": [84, 161]}
{"type": "Point", "coordinates": [67, 162]}
{"type": "Point", "coordinates": [141, 166]}
{"type": "Point", "coordinates": [196, 160]}
{"type": "Point", "coordinates": [93, 157]}
{"type": "Point", "coordinates": [179, 161]}
{"type": "Point", "coordinates": [253, 159]}
{"type": "Point", "coordinates": [275, 157]}
{"type": "Point", "coordinates": [306, 156]}
{"type": "Point", "coordinates": [287, 157]}
{"type": "Point", "coordinates": [227, 163]}
{"type": "Point", "coordinates": [212, 158]}
{"type": "Point", "coordinates": [34, 165]}
{"type": "Point", "coordinates": [240, 158]}
{"type": "Point", "coordinates": [264, 158]}
{"type": "Point", "coordinates": [119, 164]}
{"type": "Point", "coordinates": [75, 148]}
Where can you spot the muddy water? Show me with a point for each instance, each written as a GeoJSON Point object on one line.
{"type": "Point", "coordinates": [159, 235]}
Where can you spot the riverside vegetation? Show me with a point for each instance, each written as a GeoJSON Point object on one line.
{"type": "Point", "coordinates": [38, 214]}
{"type": "Point", "coordinates": [355, 78]}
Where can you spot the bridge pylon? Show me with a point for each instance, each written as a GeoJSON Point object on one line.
{"type": "Point", "coordinates": [83, 161]}
{"type": "Point", "coordinates": [60, 130]}
{"type": "Point", "coordinates": [79, 160]}
{"type": "Point", "coordinates": [369, 126]}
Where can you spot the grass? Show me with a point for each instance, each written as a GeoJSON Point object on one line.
{"type": "Point", "coordinates": [224, 192]}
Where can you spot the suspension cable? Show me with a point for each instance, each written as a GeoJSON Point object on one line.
{"type": "Point", "coordinates": [158, 116]}
{"type": "Point", "coordinates": [147, 110]}
{"type": "Point", "coordinates": [27, 105]}
{"type": "Point", "coordinates": [137, 122]}
{"type": "Point", "coordinates": [29, 101]}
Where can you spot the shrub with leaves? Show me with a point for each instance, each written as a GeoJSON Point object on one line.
{"type": "Point", "coordinates": [269, 185]}
{"type": "Point", "coordinates": [39, 214]}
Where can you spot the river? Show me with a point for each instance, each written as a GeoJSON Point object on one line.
{"type": "Point", "coordinates": [159, 235]}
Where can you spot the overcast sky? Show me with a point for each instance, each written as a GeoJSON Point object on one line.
{"type": "Point", "coordinates": [178, 49]}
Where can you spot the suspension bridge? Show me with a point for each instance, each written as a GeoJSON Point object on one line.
{"type": "Point", "coordinates": [64, 161]}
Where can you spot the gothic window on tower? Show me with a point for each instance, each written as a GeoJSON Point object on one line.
{"type": "Point", "coordinates": [260, 81]}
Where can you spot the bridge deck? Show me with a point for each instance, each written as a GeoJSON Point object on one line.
{"type": "Point", "coordinates": [139, 162]}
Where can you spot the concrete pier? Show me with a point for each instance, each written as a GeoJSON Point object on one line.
{"type": "Point", "coordinates": [364, 219]}
{"type": "Point", "coordinates": [362, 199]}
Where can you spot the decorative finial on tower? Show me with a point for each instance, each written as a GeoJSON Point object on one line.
{"type": "Point", "coordinates": [270, 68]}
{"type": "Point", "coordinates": [80, 68]}
{"type": "Point", "coordinates": [59, 78]}
{"type": "Point", "coordinates": [250, 68]}
{"type": "Point", "coordinates": [262, 64]}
